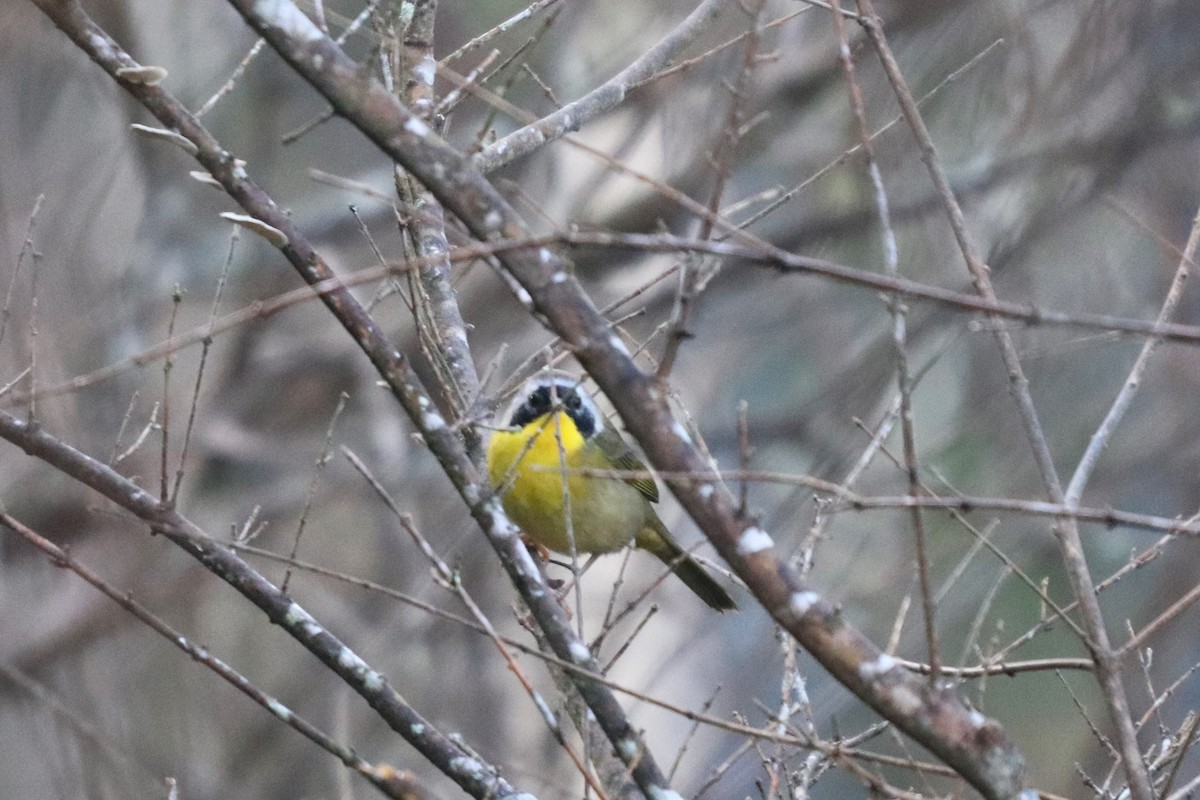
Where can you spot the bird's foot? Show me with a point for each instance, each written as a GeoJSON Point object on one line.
{"type": "Point", "coordinates": [542, 553]}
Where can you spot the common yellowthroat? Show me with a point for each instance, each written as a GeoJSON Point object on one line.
{"type": "Point", "coordinates": [526, 462]}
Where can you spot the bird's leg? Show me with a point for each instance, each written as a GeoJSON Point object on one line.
{"type": "Point", "coordinates": [565, 589]}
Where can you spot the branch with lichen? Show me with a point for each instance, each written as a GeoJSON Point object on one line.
{"type": "Point", "coordinates": [973, 745]}
{"type": "Point", "coordinates": [476, 777]}
{"type": "Point", "coordinates": [290, 29]}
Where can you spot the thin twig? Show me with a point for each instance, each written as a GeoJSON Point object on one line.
{"type": "Point", "coordinates": [451, 579]}
{"type": "Point", "coordinates": [165, 428]}
{"type": "Point", "coordinates": [697, 273]}
{"type": "Point", "coordinates": [150, 426]}
{"type": "Point", "coordinates": [318, 467]}
{"type": "Point", "coordinates": [201, 655]}
{"type": "Point", "coordinates": [1107, 517]}
{"type": "Point", "coordinates": [1133, 382]}
{"type": "Point", "coordinates": [128, 415]}
{"type": "Point", "coordinates": [791, 193]}
{"type": "Point", "coordinates": [657, 243]}
{"type": "Point", "coordinates": [898, 311]}
{"type": "Point", "coordinates": [206, 345]}
{"type": "Point", "coordinates": [604, 97]}
{"type": "Point", "coordinates": [1108, 668]}
{"type": "Point", "coordinates": [474, 775]}
{"type": "Point", "coordinates": [233, 78]}
{"type": "Point", "coordinates": [745, 451]}
{"type": "Point", "coordinates": [1192, 725]}
{"type": "Point", "coordinates": [27, 252]}
{"type": "Point", "coordinates": [528, 13]}
{"type": "Point", "coordinates": [650, 612]}
{"type": "Point", "coordinates": [1152, 627]}
{"type": "Point", "coordinates": [452, 98]}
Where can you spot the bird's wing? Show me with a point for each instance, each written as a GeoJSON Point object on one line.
{"type": "Point", "coordinates": [622, 457]}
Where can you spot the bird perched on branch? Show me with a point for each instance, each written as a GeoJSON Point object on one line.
{"type": "Point", "coordinates": [554, 429]}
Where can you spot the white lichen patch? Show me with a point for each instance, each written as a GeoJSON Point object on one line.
{"type": "Point", "coordinates": [907, 701]}
{"type": "Point", "coordinates": [433, 421]}
{"type": "Point", "coordinates": [800, 603]}
{"type": "Point", "coordinates": [754, 540]}
{"type": "Point", "coordinates": [615, 343]}
{"type": "Point", "coordinates": [297, 616]}
{"type": "Point", "coordinates": [417, 127]}
{"type": "Point", "coordinates": [706, 491]}
{"type": "Point", "coordinates": [680, 431]}
{"type": "Point", "coordinates": [284, 15]}
{"type": "Point", "coordinates": [373, 681]}
{"type": "Point", "coordinates": [279, 709]}
{"type": "Point", "coordinates": [662, 793]}
{"type": "Point", "coordinates": [502, 526]}
{"type": "Point", "coordinates": [580, 653]}
{"type": "Point", "coordinates": [426, 70]}
{"type": "Point", "coordinates": [348, 659]}
{"type": "Point", "coordinates": [467, 766]}
{"type": "Point", "coordinates": [627, 749]}
{"type": "Point", "coordinates": [879, 666]}
{"type": "Point", "coordinates": [977, 719]}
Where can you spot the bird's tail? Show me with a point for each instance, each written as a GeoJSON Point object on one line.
{"type": "Point", "coordinates": [658, 541]}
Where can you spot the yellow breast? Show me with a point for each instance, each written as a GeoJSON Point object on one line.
{"type": "Point", "coordinates": [527, 466]}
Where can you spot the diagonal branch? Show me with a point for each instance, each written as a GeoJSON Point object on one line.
{"type": "Point", "coordinates": [473, 200]}
{"type": "Point", "coordinates": [603, 98]}
{"type": "Point", "coordinates": [904, 382]}
{"type": "Point", "coordinates": [382, 777]}
{"type": "Point", "coordinates": [458, 763]}
{"type": "Point", "coordinates": [1099, 440]}
{"type": "Point", "coordinates": [974, 745]}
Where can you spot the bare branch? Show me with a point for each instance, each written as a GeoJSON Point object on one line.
{"type": "Point", "coordinates": [965, 739]}
{"type": "Point", "coordinates": [572, 116]}
{"type": "Point", "coordinates": [1107, 664]}
{"type": "Point", "coordinates": [320, 60]}
{"type": "Point", "coordinates": [474, 776]}
{"type": "Point", "coordinates": [380, 778]}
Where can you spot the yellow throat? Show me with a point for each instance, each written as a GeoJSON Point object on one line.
{"type": "Point", "coordinates": [527, 466]}
{"type": "Point", "coordinates": [534, 445]}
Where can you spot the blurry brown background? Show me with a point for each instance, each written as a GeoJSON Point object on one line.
{"type": "Point", "coordinates": [1083, 119]}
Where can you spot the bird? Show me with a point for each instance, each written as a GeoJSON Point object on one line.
{"type": "Point", "coordinates": [555, 429]}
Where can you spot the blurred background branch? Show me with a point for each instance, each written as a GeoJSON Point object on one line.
{"type": "Point", "coordinates": [1068, 136]}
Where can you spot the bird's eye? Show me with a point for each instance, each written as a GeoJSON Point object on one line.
{"type": "Point", "coordinates": [573, 402]}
